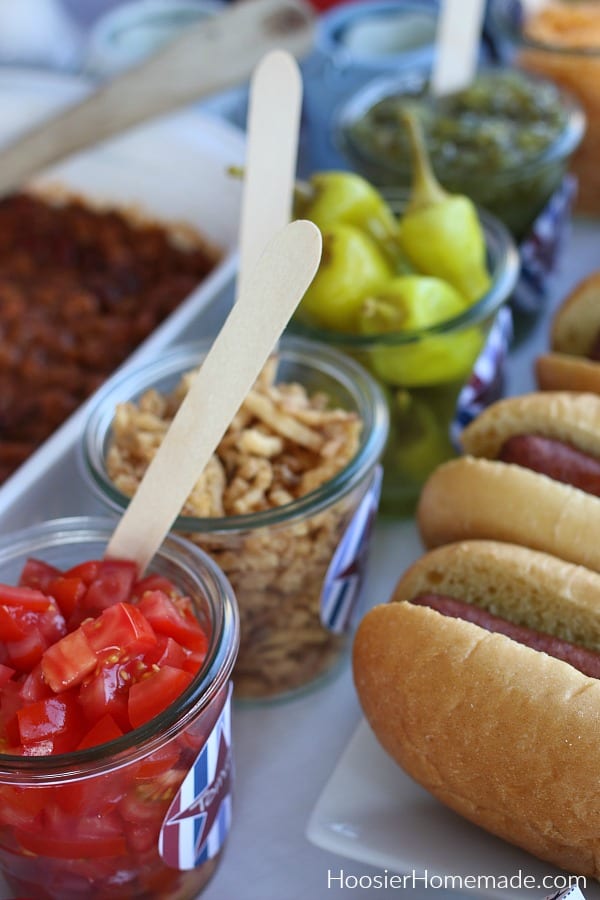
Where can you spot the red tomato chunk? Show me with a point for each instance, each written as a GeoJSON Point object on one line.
{"type": "Point", "coordinates": [88, 654]}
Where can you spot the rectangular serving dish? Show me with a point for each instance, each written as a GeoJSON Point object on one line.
{"type": "Point", "coordinates": [173, 169]}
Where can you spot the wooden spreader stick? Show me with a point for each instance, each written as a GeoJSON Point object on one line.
{"type": "Point", "coordinates": [270, 295]}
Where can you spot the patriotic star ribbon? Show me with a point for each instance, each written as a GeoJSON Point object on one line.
{"type": "Point", "coordinates": [198, 820]}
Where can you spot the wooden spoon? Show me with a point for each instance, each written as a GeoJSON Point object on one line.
{"type": "Point", "coordinates": [215, 54]}
{"type": "Point", "coordinates": [254, 325]}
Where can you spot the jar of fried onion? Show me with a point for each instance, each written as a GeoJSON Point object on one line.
{"type": "Point", "coordinates": [285, 507]}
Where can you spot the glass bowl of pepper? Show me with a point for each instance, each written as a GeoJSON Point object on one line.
{"type": "Point", "coordinates": [415, 300]}
{"type": "Point", "coordinates": [505, 141]}
{"type": "Point", "coordinates": [114, 716]}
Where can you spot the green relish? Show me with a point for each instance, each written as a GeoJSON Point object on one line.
{"type": "Point", "coordinates": [502, 141]}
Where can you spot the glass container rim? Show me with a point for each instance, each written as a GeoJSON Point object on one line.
{"type": "Point", "coordinates": [333, 21]}
{"type": "Point", "coordinates": [145, 739]}
{"type": "Point", "coordinates": [504, 275]}
{"type": "Point", "coordinates": [383, 87]}
{"type": "Point", "coordinates": [134, 14]}
{"type": "Point", "coordinates": [500, 19]}
{"type": "Point", "coordinates": [182, 357]}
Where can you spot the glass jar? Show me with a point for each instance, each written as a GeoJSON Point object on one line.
{"type": "Point", "coordinates": [423, 373]}
{"type": "Point", "coordinates": [505, 141]}
{"type": "Point", "coordinates": [354, 43]}
{"type": "Point", "coordinates": [106, 822]}
{"type": "Point", "coordinates": [130, 32]}
{"type": "Point", "coordinates": [296, 569]}
{"type": "Point", "coordinates": [561, 43]}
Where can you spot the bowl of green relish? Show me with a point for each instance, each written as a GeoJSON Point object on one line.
{"type": "Point", "coordinates": [505, 141]}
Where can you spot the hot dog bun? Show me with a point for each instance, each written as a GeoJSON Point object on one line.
{"type": "Point", "coordinates": [575, 331]}
{"type": "Point", "coordinates": [569, 417]}
{"type": "Point", "coordinates": [576, 322]}
{"type": "Point", "coordinates": [560, 372]}
{"type": "Point", "coordinates": [504, 735]}
{"type": "Point", "coordinates": [480, 498]}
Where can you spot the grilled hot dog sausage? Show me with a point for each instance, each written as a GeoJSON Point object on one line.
{"type": "Point", "coordinates": [586, 661]}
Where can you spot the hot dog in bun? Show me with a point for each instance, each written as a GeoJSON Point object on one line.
{"type": "Point", "coordinates": [505, 734]}
{"type": "Point", "coordinates": [531, 476]}
{"type": "Point", "coordinates": [574, 361]}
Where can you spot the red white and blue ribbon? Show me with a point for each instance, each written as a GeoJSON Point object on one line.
{"type": "Point", "coordinates": [346, 573]}
{"type": "Point", "coordinates": [540, 249]}
{"type": "Point", "coordinates": [485, 384]}
{"type": "Point", "coordinates": [198, 820]}
{"type": "Point", "coordinates": [570, 893]}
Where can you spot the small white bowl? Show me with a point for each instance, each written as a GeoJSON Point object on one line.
{"type": "Point", "coordinates": [132, 31]}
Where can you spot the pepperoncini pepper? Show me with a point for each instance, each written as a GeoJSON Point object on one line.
{"type": "Point", "coordinates": [334, 198]}
{"type": "Point", "coordinates": [352, 267]}
{"type": "Point", "coordinates": [414, 303]}
{"type": "Point", "coordinates": [440, 233]}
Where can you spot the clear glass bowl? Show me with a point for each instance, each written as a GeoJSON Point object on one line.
{"type": "Point", "coordinates": [283, 562]}
{"type": "Point", "coordinates": [94, 822]}
{"type": "Point", "coordinates": [513, 188]}
{"type": "Point", "coordinates": [571, 62]}
{"type": "Point", "coordinates": [422, 373]}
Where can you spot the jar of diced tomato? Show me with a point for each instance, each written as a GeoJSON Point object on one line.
{"type": "Point", "coordinates": [145, 812]}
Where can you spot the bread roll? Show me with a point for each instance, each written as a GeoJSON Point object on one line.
{"type": "Point", "coordinates": [504, 735]}
{"type": "Point", "coordinates": [481, 498]}
{"type": "Point", "coordinates": [564, 416]}
{"type": "Point", "coordinates": [560, 372]}
{"type": "Point", "coordinates": [576, 323]}
{"type": "Point", "coordinates": [574, 335]}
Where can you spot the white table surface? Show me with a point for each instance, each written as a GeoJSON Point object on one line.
{"type": "Point", "coordinates": [285, 753]}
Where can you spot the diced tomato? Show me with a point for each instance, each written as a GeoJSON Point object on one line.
{"type": "Point", "coordinates": [86, 571]}
{"type": "Point", "coordinates": [52, 623]}
{"type": "Point", "coordinates": [10, 702]}
{"type": "Point", "coordinates": [67, 662]}
{"type": "Point", "coordinates": [121, 627]}
{"type": "Point", "coordinates": [12, 734]}
{"type": "Point", "coordinates": [48, 717]}
{"type": "Point", "coordinates": [38, 574]}
{"type": "Point", "coordinates": [35, 686]}
{"type": "Point", "coordinates": [25, 597]}
{"type": "Point", "coordinates": [166, 618]}
{"type": "Point", "coordinates": [26, 652]}
{"type": "Point", "coordinates": [155, 692]}
{"type": "Point", "coordinates": [6, 673]}
{"type": "Point", "coordinates": [89, 796]}
{"type": "Point", "coordinates": [142, 838]}
{"type": "Point", "coordinates": [93, 837]}
{"type": "Point", "coordinates": [13, 623]}
{"type": "Point", "coordinates": [22, 807]}
{"type": "Point", "coordinates": [113, 584]}
{"type": "Point", "coordinates": [138, 808]}
{"type": "Point", "coordinates": [65, 742]}
{"type": "Point", "coordinates": [105, 729]}
{"type": "Point", "coordinates": [166, 652]}
{"type": "Point", "coordinates": [153, 583]}
{"type": "Point", "coordinates": [67, 592]}
{"type": "Point", "coordinates": [159, 762]}
{"type": "Point", "coordinates": [106, 692]}
{"type": "Point", "coordinates": [194, 660]}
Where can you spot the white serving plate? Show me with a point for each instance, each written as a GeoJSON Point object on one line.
{"type": "Point", "coordinates": [174, 169]}
{"type": "Point", "coordinates": [371, 811]}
